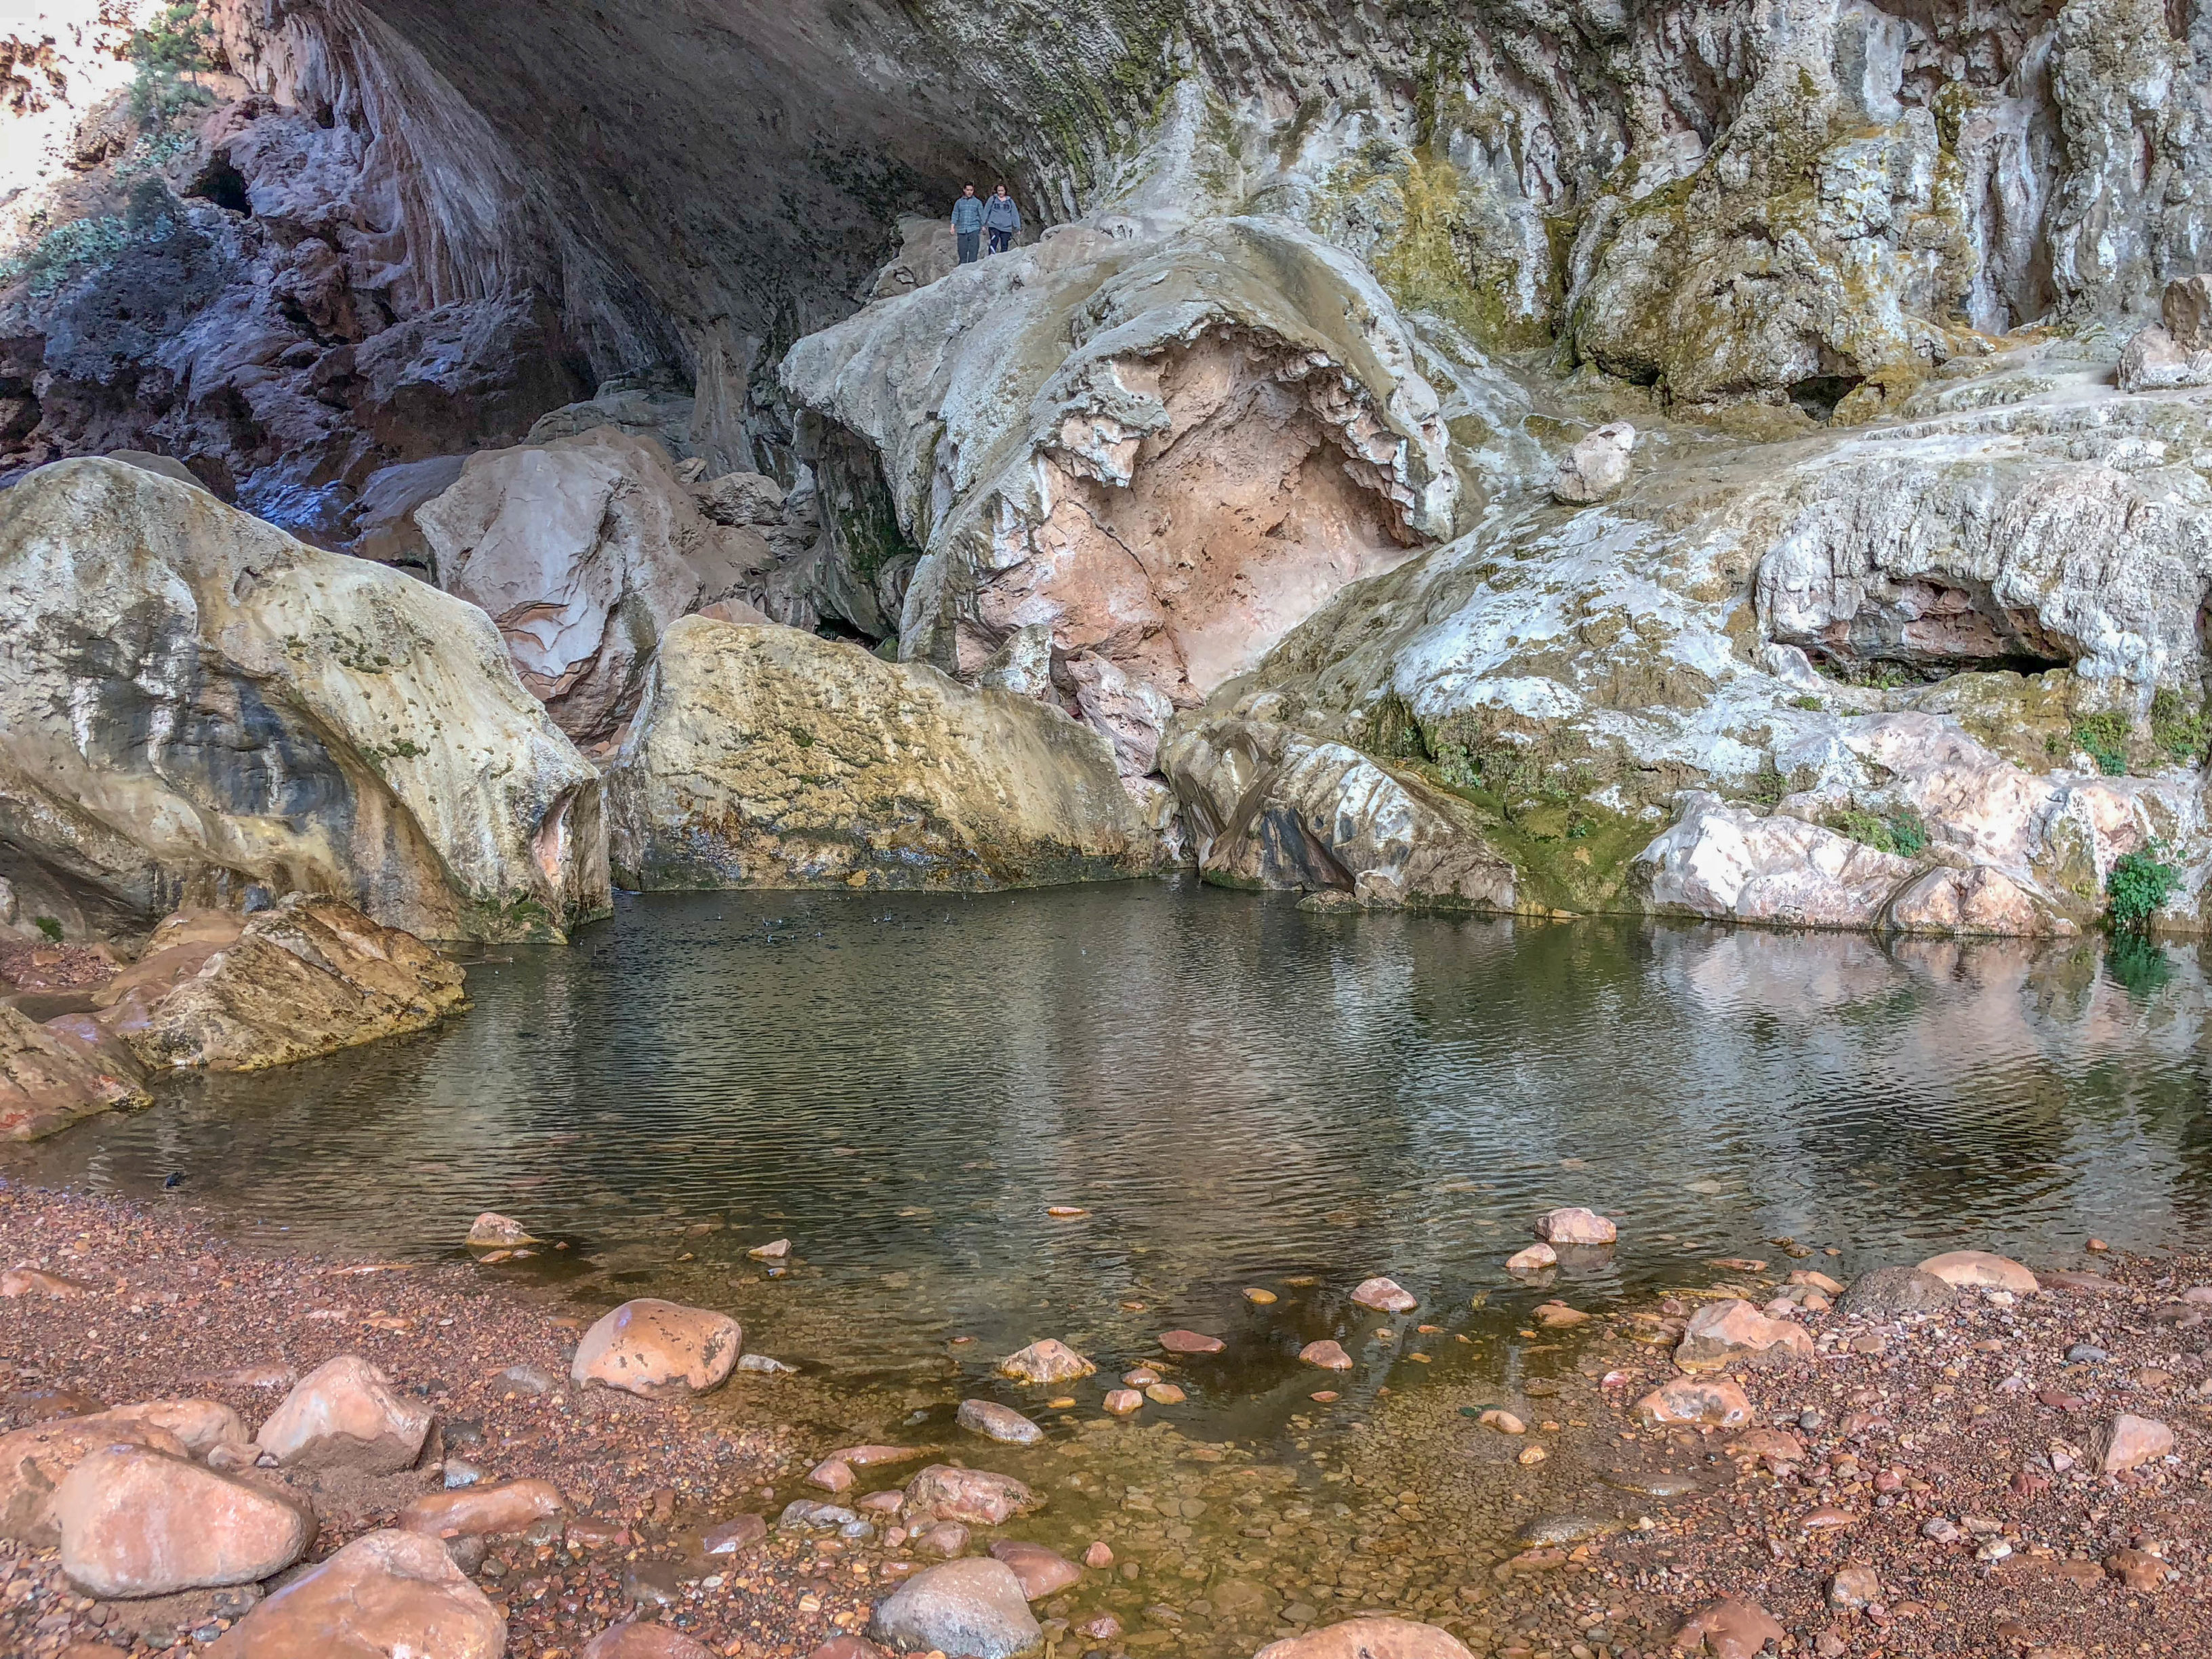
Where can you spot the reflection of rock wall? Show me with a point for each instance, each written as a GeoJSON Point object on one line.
{"type": "Point", "coordinates": [196, 709]}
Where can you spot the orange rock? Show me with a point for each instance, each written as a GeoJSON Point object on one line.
{"type": "Point", "coordinates": [1718, 1402]}
{"type": "Point", "coordinates": [831, 1475]}
{"type": "Point", "coordinates": [202, 1424]}
{"type": "Point", "coordinates": [1042, 1572]}
{"type": "Point", "coordinates": [1190, 1342]}
{"type": "Point", "coordinates": [139, 1522]}
{"type": "Point", "coordinates": [386, 1593]}
{"type": "Point", "coordinates": [497, 1510]}
{"type": "Point", "coordinates": [629, 1641]}
{"type": "Point", "coordinates": [1329, 1356]}
{"type": "Point", "coordinates": [1049, 1361]}
{"type": "Point", "coordinates": [1722, 1332]}
{"type": "Point", "coordinates": [976, 1495]}
{"type": "Point", "coordinates": [658, 1349]}
{"type": "Point", "coordinates": [343, 1414]}
{"type": "Point", "coordinates": [2138, 1570]}
{"type": "Point", "coordinates": [868, 1457]}
{"type": "Point", "coordinates": [1165, 1393]}
{"type": "Point", "coordinates": [1977, 1270]}
{"type": "Point", "coordinates": [30, 1281]}
{"type": "Point", "coordinates": [1122, 1402]}
{"type": "Point", "coordinates": [2129, 1442]}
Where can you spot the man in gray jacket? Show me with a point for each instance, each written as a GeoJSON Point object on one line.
{"type": "Point", "coordinates": [1002, 219]}
{"type": "Point", "coordinates": [968, 225]}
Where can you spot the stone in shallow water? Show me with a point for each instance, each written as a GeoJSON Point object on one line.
{"type": "Point", "coordinates": [498, 1511]}
{"type": "Point", "coordinates": [1122, 1402]}
{"type": "Point", "coordinates": [975, 1608]}
{"type": "Point", "coordinates": [1190, 1342]}
{"type": "Point", "coordinates": [1574, 1226]}
{"type": "Point", "coordinates": [1384, 1296]}
{"type": "Point", "coordinates": [1370, 1639]}
{"type": "Point", "coordinates": [1533, 1259]}
{"type": "Point", "coordinates": [976, 1495]}
{"type": "Point", "coordinates": [1718, 1402]}
{"type": "Point", "coordinates": [1329, 1356]}
{"type": "Point", "coordinates": [997, 1422]}
{"type": "Point", "coordinates": [1043, 1572]}
{"type": "Point", "coordinates": [1723, 1331]}
{"type": "Point", "coordinates": [492, 1231]}
{"type": "Point", "coordinates": [1049, 1361]}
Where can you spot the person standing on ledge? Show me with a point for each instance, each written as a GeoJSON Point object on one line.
{"type": "Point", "coordinates": [1002, 219]}
{"type": "Point", "coordinates": [968, 225]}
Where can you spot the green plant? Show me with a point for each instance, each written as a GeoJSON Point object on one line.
{"type": "Point", "coordinates": [58, 255]}
{"type": "Point", "coordinates": [170, 56]}
{"type": "Point", "coordinates": [2137, 887]}
{"type": "Point", "coordinates": [2103, 737]}
{"type": "Point", "coordinates": [1808, 702]}
{"type": "Point", "coordinates": [1904, 832]}
{"type": "Point", "coordinates": [51, 928]}
{"type": "Point", "coordinates": [2180, 731]}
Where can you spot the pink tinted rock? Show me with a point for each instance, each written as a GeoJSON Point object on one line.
{"type": "Point", "coordinates": [1730, 1628]}
{"type": "Point", "coordinates": [1716, 1402]}
{"type": "Point", "coordinates": [498, 1509]}
{"type": "Point", "coordinates": [202, 1424]}
{"type": "Point", "coordinates": [629, 1641]}
{"type": "Point", "coordinates": [2129, 1442]}
{"type": "Point", "coordinates": [739, 1532]}
{"type": "Point", "coordinates": [35, 1460]}
{"type": "Point", "coordinates": [976, 1495]}
{"type": "Point", "coordinates": [1122, 1402]}
{"type": "Point", "coordinates": [658, 1349]}
{"type": "Point", "coordinates": [1329, 1356]}
{"type": "Point", "coordinates": [1049, 1361]}
{"type": "Point", "coordinates": [1977, 1270]}
{"type": "Point", "coordinates": [946, 1538]}
{"type": "Point", "coordinates": [869, 1457]}
{"type": "Point", "coordinates": [848, 1647]}
{"type": "Point", "coordinates": [138, 1522]}
{"type": "Point", "coordinates": [1721, 1332]}
{"type": "Point", "coordinates": [1384, 1296]}
{"type": "Point", "coordinates": [1100, 1554]}
{"type": "Point", "coordinates": [1370, 1639]}
{"type": "Point", "coordinates": [1043, 1572]}
{"type": "Point", "coordinates": [1190, 1342]}
{"type": "Point", "coordinates": [1574, 1226]}
{"type": "Point", "coordinates": [883, 1503]}
{"type": "Point", "coordinates": [831, 1475]}
{"type": "Point", "coordinates": [971, 1606]}
{"type": "Point", "coordinates": [385, 1594]}
{"type": "Point", "coordinates": [345, 1415]}
{"type": "Point", "coordinates": [996, 1422]}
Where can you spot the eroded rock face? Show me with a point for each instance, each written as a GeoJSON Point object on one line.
{"type": "Point", "coordinates": [198, 709]}
{"type": "Point", "coordinates": [583, 550]}
{"type": "Point", "coordinates": [764, 756]}
{"type": "Point", "coordinates": [1266, 807]}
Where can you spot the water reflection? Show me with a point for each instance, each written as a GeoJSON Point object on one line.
{"type": "Point", "coordinates": [1235, 1091]}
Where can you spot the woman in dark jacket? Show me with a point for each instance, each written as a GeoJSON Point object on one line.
{"type": "Point", "coordinates": [1002, 219]}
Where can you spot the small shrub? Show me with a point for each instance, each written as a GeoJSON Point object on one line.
{"type": "Point", "coordinates": [2175, 729]}
{"type": "Point", "coordinates": [2138, 886]}
{"type": "Point", "coordinates": [1904, 832]}
{"type": "Point", "coordinates": [2105, 738]}
{"type": "Point", "coordinates": [1808, 702]}
{"type": "Point", "coordinates": [51, 928]}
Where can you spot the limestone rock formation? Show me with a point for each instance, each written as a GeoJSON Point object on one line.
{"type": "Point", "coordinates": [583, 550]}
{"type": "Point", "coordinates": [764, 756]}
{"type": "Point", "coordinates": [1597, 465]}
{"type": "Point", "coordinates": [197, 709]}
{"type": "Point", "coordinates": [51, 1076]}
{"type": "Point", "coordinates": [2178, 350]}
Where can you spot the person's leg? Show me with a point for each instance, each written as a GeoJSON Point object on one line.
{"type": "Point", "coordinates": [1001, 240]}
{"type": "Point", "coordinates": [969, 252]}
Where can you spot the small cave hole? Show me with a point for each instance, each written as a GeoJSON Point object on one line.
{"type": "Point", "coordinates": [223, 184]}
{"type": "Point", "coordinates": [1818, 394]}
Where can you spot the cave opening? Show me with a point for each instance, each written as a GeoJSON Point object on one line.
{"type": "Point", "coordinates": [220, 183]}
{"type": "Point", "coordinates": [1818, 394]}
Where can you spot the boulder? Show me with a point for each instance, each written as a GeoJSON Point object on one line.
{"type": "Point", "coordinates": [1049, 1361]}
{"type": "Point", "coordinates": [498, 1509]}
{"type": "Point", "coordinates": [384, 1595]}
{"type": "Point", "coordinates": [633, 1641]}
{"type": "Point", "coordinates": [1722, 1332]}
{"type": "Point", "coordinates": [582, 551]}
{"type": "Point", "coordinates": [35, 1460]}
{"type": "Point", "coordinates": [658, 1349]}
{"type": "Point", "coordinates": [1190, 1342]}
{"type": "Point", "coordinates": [1042, 1572]}
{"type": "Point", "coordinates": [1888, 1292]}
{"type": "Point", "coordinates": [1264, 806]}
{"type": "Point", "coordinates": [1730, 864]}
{"type": "Point", "coordinates": [996, 1422]}
{"type": "Point", "coordinates": [2159, 360]}
{"type": "Point", "coordinates": [2129, 1442]}
{"type": "Point", "coordinates": [1718, 1402]}
{"type": "Point", "coordinates": [1597, 466]}
{"type": "Point", "coordinates": [202, 1424]}
{"type": "Point", "coordinates": [1383, 1296]}
{"type": "Point", "coordinates": [200, 709]}
{"type": "Point", "coordinates": [136, 1521]}
{"type": "Point", "coordinates": [975, 1608]}
{"type": "Point", "coordinates": [975, 1496]}
{"type": "Point", "coordinates": [50, 1077]}
{"type": "Point", "coordinates": [764, 757]}
{"type": "Point", "coordinates": [345, 1415]}
{"type": "Point", "coordinates": [220, 993]}
{"type": "Point", "coordinates": [1572, 1226]}
{"type": "Point", "coordinates": [1978, 1270]}
{"type": "Point", "coordinates": [1369, 1638]}
{"type": "Point", "coordinates": [1532, 1259]}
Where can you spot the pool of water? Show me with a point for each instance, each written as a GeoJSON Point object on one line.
{"type": "Point", "coordinates": [1239, 1093]}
